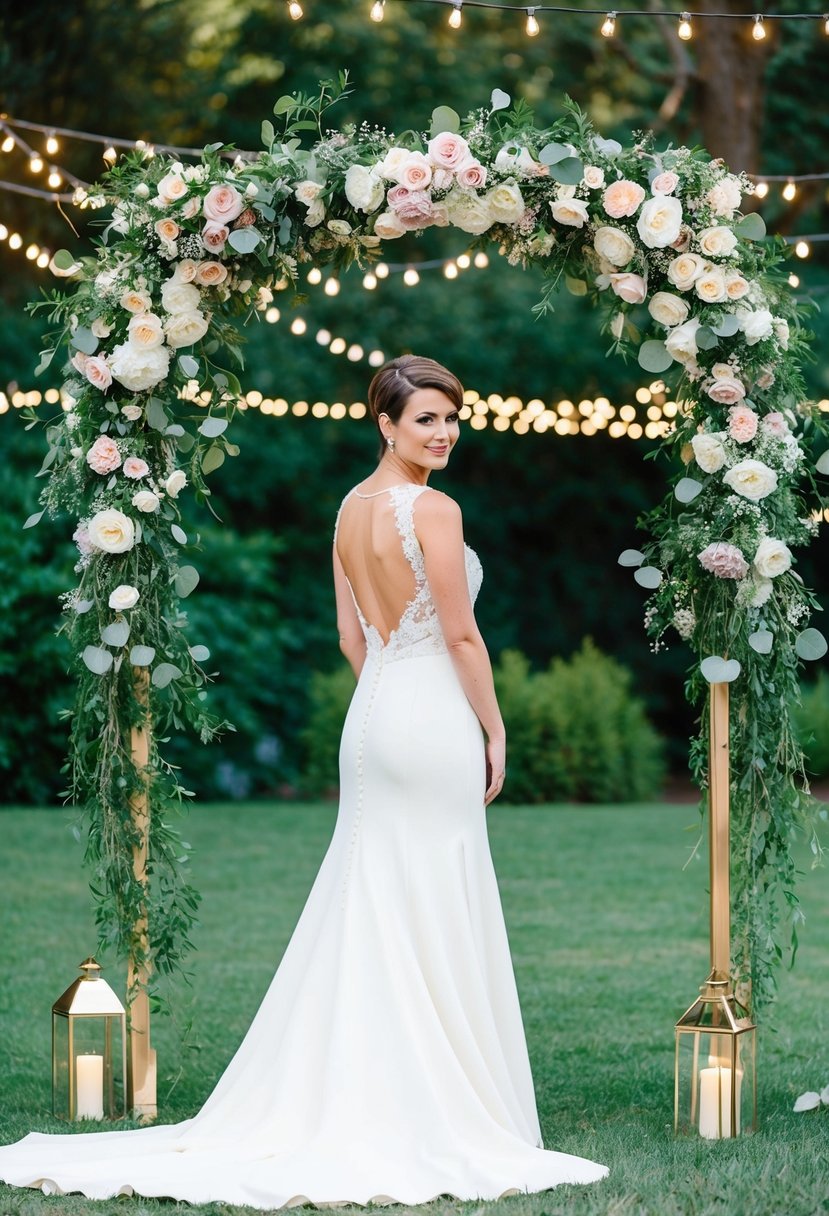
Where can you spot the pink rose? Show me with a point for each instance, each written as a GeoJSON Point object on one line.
{"type": "Point", "coordinates": [622, 198]}
{"type": "Point", "coordinates": [222, 204]}
{"type": "Point", "coordinates": [191, 209]}
{"type": "Point", "coordinates": [135, 467]}
{"type": "Point", "coordinates": [724, 560]}
{"type": "Point", "coordinates": [81, 538]}
{"type": "Point", "coordinates": [416, 172]}
{"type": "Point", "coordinates": [247, 218]}
{"type": "Point", "coordinates": [214, 236]}
{"type": "Point", "coordinates": [765, 379]}
{"type": "Point", "coordinates": [79, 361]}
{"type": "Point", "coordinates": [415, 211]}
{"type": "Point", "coordinates": [97, 372]}
{"type": "Point", "coordinates": [631, 288]}
{"type": "Point", "coordinates": [665, 183]}
{"type": "Point", "coordinates": [727, 390]}
{"type": "Point", "coordinates": [448, 151]}
{"type": "Point", "coordinates": [776, 424]}
{"type": "Point", "coordinates": [396, 195]}
{"type": "Point", "coordinates": [210, 274]}
{"type": "Point", "coordinates": [471, 175]}
{"type": "Point", "coordinates": [742, 422]}
{"type": "Point", "coordinates": [104, 457]}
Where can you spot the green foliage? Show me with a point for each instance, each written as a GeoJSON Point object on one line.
{"type": "Point", "coordinates": [330, 694]}
{"type": "Point", "coordinates": [576, 732]}
{"type": "Point", "coordinates": [812, 724]}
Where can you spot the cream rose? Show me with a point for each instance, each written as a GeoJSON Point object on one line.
{"type": "Point", "coordinates": [660, 221]}
{"type": "Point", "coordinates": [97, 372]}
{"type": "Point", "coordinates": [665, 183]}
{"type": "Point", "coordinates": [505, 203]}
{"type": "Point", "coordinates": [772, 558]}
{"type": "Point", "coordinates": [622, 198]}
{"type": "Point", "coordinates": [145, 501]}
{"type": "Point", "coordinates": [710, 285]}
{"type": "Point", "coordinates": [363, 188]}
{"type": "Point", "coordinates": [725, 197]}
{"type": "Point", "coordinates": [222, 204]}
{"type": "Point", "coordinates": [668, 309]}
{"type": "Point", "coordinates": [185, 270]}
{"type": "Point", "coordinates": [709, 450]}
{"type": "Point", "coordinates": [593, 177]}
{"type": "Point", "coordinates": [210, 274]}
{"type": "Point", "coordinates": [136, 301]}
{"type": "Point", "coordinates": [388, 227]}
{"type": "Point", "coordinates": [685, 270]}
{"type": "Point", "coordinates": [781, 331]}
{"type": "Point", "coordinates": [315, 213]}
{"type": "Point", "coordinates": [191, 208]}
{"type": "Point", "coordinates": [389, 167]}
{"type": "Point", "coordinates": [185, 328]}
{"type": "Point", "coordinates": [177, 296]}
{"type": "Point", "coordinates": [448, 150]}
{"type": "Point", "coordinates": [111, 531]}
{"type": "Point", "coordinates": [614, 245]}
{"type": "Point", "coordinates": [735, 285]}
{"type": "Point", "coordinates": [570, 211]}
{"type": "Point", "coordinates": [145, 330]}
{"type": "Point", "coordinates": [172, 188]}
{"type": "Point", "coordinates": [468, 212]}
{"type": "Point", "coordinates": [681, 342]}
{"type": "Point", "coordinates": [755, 325]}
{"type": "Point", "coordinates": [338, 227]}
{"type": "Point", "coordinates": [717, 242]}
{"type": "Point", "coordinates": [175, 483]}
{"type": "Point", "coordinates": [751, 479]}
{"type": "Point", "coordinates": [631, 288]}
{"type": "Point", "coordinates": [139, 367]}
{"type": "Point", "coordinates": [100, 328]}
{"type": "Point", "coordinates": [124, 597]}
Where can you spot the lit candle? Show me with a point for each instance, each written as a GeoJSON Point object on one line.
{"type": "Point", "coordinates": [90, 1076]}
{"type": "Point", "coordinates": [715, 1102]}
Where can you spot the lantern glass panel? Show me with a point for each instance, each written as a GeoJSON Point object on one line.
{"type": "Point", "coordinates": [715, 1082]}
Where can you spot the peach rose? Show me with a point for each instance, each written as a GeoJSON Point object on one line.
{"type": "Point", "coordinates": [97, 372]}
{"type": "Point", "coordinates": [214, 237]}
{"type": "Point", "coordinates": [135, 467]}
{"type": "Point", "coordinates": [631, 288]}
{"type": "Point", "coordinates": [742, 422]}
{"type": "Point", "coordinates": [622, 198]}
{"type": "Point", "coordinates": [210, 274]}
{"type": "Point", "coordinates": [104, 457]}
{"type": "Point", "coordinates": [735, 285]}
{"type": "Point", "coordinates": [185, 271]}
{"type": "Point", "coordinates": [448, 150]}
{"type": "Point", "coordinates": [222, 204]}
{"type": "Point", "coordinates": [172, 187]}
{"type": "Point", "coordinates": [388, 227]}
{"type": "Point", "coordinates": [146, 329]}
{"type": "Point", "coordinates": [167, 229]}
{"type": "Point", "coordinates": [665, 183]}
{"type": "Point", "coordinates": [136, 301]}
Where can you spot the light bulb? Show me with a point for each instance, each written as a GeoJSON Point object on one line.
{"type": "Point", "coordinates": [456, 17]}
{"type": "Point", "coordinates": [4, 232]}
{"type": "Point", "coordinates": [332, 287]}
{"type": "Point", "coordinates": [298, 326]}
{"type": "Point", "coordinates": [794, 281]}
{"type": "Point", "coordinates": [789, 191]}
{"type": "Point", "coordinates": [481, 260]}
{"type": "Point", "coordinates": [684, 30]}
{"type": "Point", "coordinates": [42, 259]}
{"type": "Point", "coordinates": [464, 261]}
{"type": "Point", "coordinates": [370, 281]}
{"type": "Point", "coordinates": [34, 250]}
{"type": "Point", "coordinates": [52, 145]}
{"type": "Point", "coordinates": [802, 249]}
{"type": "Point", "coordinates": [826, 24]}
{"type": "Point", "coordinates": [109, 155]}
{"type": "Point", "coordinates": [15, 240]}
{"type": "Point", "coordinates": [295, 10]}
{"type": "Point", "coordinates": [54, 179]}
{"type": "Point", "coordinates": [410, 277]}
{"type": "Point", "coordinates": [758, 30]}
{"type": "Point", "coordinates": [314, 275]}
{"type": "Point", "coordinates": [35, 164]}
{"type": "Point", "coordinates": [761, 189]}
{"type": "Point", "coordinates": [7, 144]}
{"type": "Point", "coordinates": [609, 25]}
{"type": "Point", "coordinates": [450, 270]}
{"type": "Point", "coordinates": [381, 270]}
{"type": "Point", "coordinates": [532, 26]}
{"type": "Point", "coordinates": [323, 337]}
{"type": "Point", "coordinates": [378, 10]}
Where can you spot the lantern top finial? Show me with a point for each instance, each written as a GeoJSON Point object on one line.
{"type": "Point", "coordinates": [90, 968]}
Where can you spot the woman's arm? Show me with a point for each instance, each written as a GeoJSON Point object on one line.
{"type": "Point", "coordinates": [352, 639]}
{"type": "Point", "coordinates": [439, 529]}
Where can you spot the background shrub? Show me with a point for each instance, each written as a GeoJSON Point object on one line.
{"type": "Point", "coordinates": [812, 718]}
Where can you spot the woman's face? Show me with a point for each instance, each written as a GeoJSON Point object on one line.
{"type": "Point", "coordinates": [426, 431]}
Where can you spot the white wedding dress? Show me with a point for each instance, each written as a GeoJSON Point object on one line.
{"type": "Point", "coordinates": [387, 1061]}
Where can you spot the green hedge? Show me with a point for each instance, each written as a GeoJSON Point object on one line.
{"type": "Point", "coordinates": [812, 720]}
{"type": "Point", "coordinates": [575, 733]}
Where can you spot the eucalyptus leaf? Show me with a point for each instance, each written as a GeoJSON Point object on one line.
{"type": "Point", "coordinates": [761, 640]}
{"type": "Point", "coordinates": [63, 259]}
{"type": "Point", "coordinates": [212, 427]}
{"type": "Point", "coordinates": [245, 240]}
{"type": "Point", "coordinates": [156, 415]}
{"type": "Point", "coordinates": [178, 534]}
{"type": "Point", "coordinates": [631, 557]}
{"type": "Point", "coordinates": [687, 489]}
{"type": "Point", "coordinates": [284, 104]}
{"type": "Point", "coordinates": [608, 147]}
{"type": "Point", "coordinates": [185, 442]}
{"type": "Point", "coordinates": [97, 659]}
{"type": "Point", "coordinates": [199, 654]}
{"type": "Point", "coordinates": [648, 576]}
{"type": "Point", "coordinates": [284, 233]}
{"type": "Point", "coordinates": [186, 581]}
{"type": "Point", "coordinates": [83, 606]}
{"type": "Point", "coordinates": [654, 356]}
{"type": "Point", "coordinates": [553, 153]}
{"type": "Point", "coordinates": [34, 519]}
{"type": "Point", "coordinates": [213, 459]}
{"type": "Point", "coordinates": [810, 645]}
{"type": "Point", "coordinates": [267, 133]}
{"type": "Point", "coordinates": [569, 171]}
{"type": "Point", "coordinates": [175, 431]}
{"type": "Point", "coordinates": [84, 340]}
{"type": "Point", "coordinates": [576, 287]}
{"type": "Point", "coordinates": [116, 634]}
{"type": "Point", "coordinates": [142, 656]}
{"type": "Point", "coordinates": [189, 365]}
{"type": "Point", "coordinates": [444, 118]}
{"type": "Point", "coordinates": [706, 338]}
{"type": "Point", "coordinates": [726, 327]}
{"type": "Point", "coordinates": [751, 227]}
{"type": "Point", "coordinates": [164, 674]}
{"type": "Point", "coordinates": [499, 100]}
{"type": "Point", "coordinates": [822, 465]}
{"type": "Point", "coordinates": [717, 670]}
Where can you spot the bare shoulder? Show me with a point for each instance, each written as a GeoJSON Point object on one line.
{"type": "Point", "coordinates": [437, 509]}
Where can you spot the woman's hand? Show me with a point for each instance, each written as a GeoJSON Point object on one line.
{"type": "Point", "coordinates": [496, 759]}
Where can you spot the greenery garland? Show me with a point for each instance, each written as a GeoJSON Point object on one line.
{"type": "Point", "coordinates": [685, 284]}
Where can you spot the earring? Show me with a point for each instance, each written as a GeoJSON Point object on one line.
{"type": "Point", "coordinates": [390, 443]}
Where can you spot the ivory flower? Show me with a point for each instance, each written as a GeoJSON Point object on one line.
{"type": "Point", "coordinates": [709, 450]}
{"type": "Point", "coordinates": [468, 212]}
{"type": "Point", "coordinates": [751, 479]}
{"type": "Point", "coordinates": [136, 301]}
{"type": "Point", "coordinates": [772, 558]}
{"type": "Point", "coordinates": [145, 501]}
{"type": "Point", "coordinates": [175, 482]}
{"type": "Point", "coordinates": [684, 270]}
{"type": "Point", "coordinates": [111, 531]}
{"type": "Point", "coordinates": [660, 221]}
{"type": "Point", "coordinates": [631, 288]}
{"type": "Point", "coordinates": [571, 211]}
{"type": "Point", "coordinates": [145, 330]}
{"type": "Point", "coordinates": [681, 342]}
{"type": "Point", "coordinates": [185, 328]}
{"type": "Point", "coordinates": [725, 197]}
{"type": "Point", "coordinates": [614, 245]}
{"type": "Point", "coordinates": [665, 183]}
{"type": "Point", "coordinates": [622, 198]}
{"type": "Point", "coordinates": [717, 242]}
{"type": "Point", "coordinates": [139, 367]}
{"type": "Point", "coordinates": [755, 325]}
{"type": "Point", "coordinates": [593, 177]}
{"type": "Point", "coordinates": [388, 227]}
{"type": "Point", "coordinates": [505, 203]}
{"type": "Point", "coordinates": [172, 188]}
{"type": "Point", "coordinates": [124, 597]}
{"type": "Point", "coordinates": [710, 285]}
{"type": "Point", "coordinates": [178, 296]}
{"type": "Point", "coordinates": [209, 274]}
{"type": "Point", "coordinates": [363, 188]}
{"type": "Point", "coordinates": [668, 309]}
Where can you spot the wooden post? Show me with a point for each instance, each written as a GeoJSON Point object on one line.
{"type": "Point", "coordinates": [141, 1056]}
{"type": "Point", "coordinates": [718, 834]}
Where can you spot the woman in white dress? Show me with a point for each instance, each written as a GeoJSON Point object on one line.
{"type": "Point", "coordinates": [387, 1061]}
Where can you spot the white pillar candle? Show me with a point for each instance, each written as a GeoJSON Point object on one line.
{"type": "Point", "coordinates": [715, 1102]}
{"type": "Point", "coordinates": [90, 1077]}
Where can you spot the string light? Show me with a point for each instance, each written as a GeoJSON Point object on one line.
{"type": "Point", "coordinates": [789, 191]}
{"type": "Point", "coordinates": [481, 260]}
{"type": "Point", "coordinates": [378, 10]}
{"type": "Point", "coordinates": [802, 249]}
{"type": "Point", "coordinates": [794, 280]}
{"type": "Point", "coordinates": [410, 277]}
{"type": "Point", "coordinates": [609, 26]}
{"type": "Point", "coordinates": [314, 275]}
{"type": "Point", "coordinates": [109, 155]}
{"type": "Point", "coordinates": [532, 26]}
{"type": "Point", "coordinates": [332, 286]}
{"type": "Point", "coordinates": [758, 30]}
{"type": "Point", "coordinates": [684, 30]}
{"type": "Point", "coordinates": [7, 144]}
{"type": "Point", "coordinates": [381, 270]}
{"type": "Point", "coordinates": [35, 163]}
{"type": "Point", "coordinates": [52, 145]}
{"type": "Point", "coordinates": [370, 281]}
{"type": "Point", "coordinates": [826, 24]}
{"type": "Point", "coordinates": [450, 270]}
{"type": "Point", "coordinates": [54, 180]}
{"type": "Point", "coordinates": [294, 10]}
{"type": "Point", "coordinates": [761, 189]}
{"type": "Point", "coordinates": [456, 16]}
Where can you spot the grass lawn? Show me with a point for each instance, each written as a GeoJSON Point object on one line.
{"type": "Point", "coordinates": [609, 938]}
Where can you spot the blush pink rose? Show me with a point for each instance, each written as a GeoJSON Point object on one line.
{"type": "Point", "coordinates": [223, 204]}
{"type": "Point", "coordinates": [724, 560]}
{"type": "Point", "coordinates": [665, 183]}
{"type": "Point", "coordinates": [631, 288]}
{"type": "Point", "coordinates": [448, 151]}
{"type": "Point", "coordinates": [97, 372]}
{"type": "Point", "coordinates": [622, 198]}
{"type": "Point", "coordinates": [135, 467]}
{"type": "Point", "coordinates": [776, 424]}
{"type": "Point", "coordinates": [742, 423]}
{"type": "Point", "coordinates": [214, 237]}
{"type": "Point", "coordinates": [81, 538]}
{"type": "Point", "coordinates": [247, 218]}
{"type": "Point", "coordinates": [471, 175]}
{"type": "Point", "coordinates": [79, 361]}
{"type": "Point", "coordinates": [727, 390]}
{"type": "Point", "coordinates": [416, 172]}
{"type": "Point", "coordinates": [415, 211]}
{"type": "Point", "coordinates": [210, 274]}
{"type": "Point", "coordinates": [191, 209]}
{"type": "Point", "coordinates": [396, 195]}
{"type": "Point", "coordinates": [104, 457]}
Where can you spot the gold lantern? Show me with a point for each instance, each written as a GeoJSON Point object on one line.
{"type": "Point", "coordinates": [715, 1079]}
{"type": "Point", "coordinates": [89, 1050]}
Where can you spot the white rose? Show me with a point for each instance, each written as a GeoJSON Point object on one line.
{"type": "Point", "coordinates": [172, 187]}
{"type": "Point", "coordinates": [593, 177]}
{"type": "Point", "coordinates": [717, 242]}
{"type": "Point", "coordinates": [710, 286]}
{"type": "Point", "coordinates": [681, 342]}
{"type": "Point", "coordinates": [614, 245]}
{"type": "Point", "coordinates": [781, 331]}
{"type": "Point", "coordinates": [132, 412]}
{"type": "Point", "coordinates": [178, 296]}
{"type": "Point", "coordinates": [752, 479]}
{"type": "Point", "coordinates": [363, 189]}
{"type": "Point", "coordinates": [572, 211]}
{"type": "Point", "coordinates": [735, 285]}
{"type": "Point", "coordinates": [709, 450]}
{"type": "Point", "coordinates": [668, 309]}
{"type": "Point", "coordinates": [306, 192]}
{"type": "Point", "coordinates": [111, 531]}
{"type": "Point", "coordinates": [685, 270]}
{"type": "Point", "coordinates": [338, 227]}
{"type": "Point", "coordinates": [124, 597]}
{"type": "Point", "coordinates": [139, 367]}
{"type": "Point", "coordinates": [506, 206]}
{"type": "Point", "coordinates": [391, 164]}
{"type": "Point", "coordinates": [763, 588]}
{"type": "Point", "coordinates": [772, 558]}
{"type": "Point", "coordinates": [146, 501]}
{"type": "Point", "coordinates": [755, 325]}
{"type": "Point", "coordinates": [185, 328]}
{"type": "Point", "coordinates": [175, 483]}
{"type": "Point", "coordinates": [100, 328]}
{"type": "Point", "coordinates": [660, 221]}
{"type": "Point", "coordinates": [145, 330]}
{"type": "Point", "coordinates": [388, 227]}
{"type": "Point", "coordinates": [315, 213]}
{"type": "Point", "coordinates": [726, 196]}
{"type": "Point", "coordinates": [468, 212]}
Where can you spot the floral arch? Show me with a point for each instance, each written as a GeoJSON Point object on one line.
{"type": "Point", "coordinates": [190, 247]}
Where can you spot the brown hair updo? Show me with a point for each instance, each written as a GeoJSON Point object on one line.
{"type": "Point", "coordinates": [395, 382]}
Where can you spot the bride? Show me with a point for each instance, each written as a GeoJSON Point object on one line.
{"type": "Point", "coordinates": [387, 1062]}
